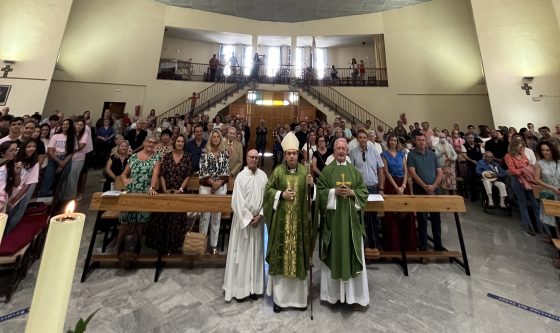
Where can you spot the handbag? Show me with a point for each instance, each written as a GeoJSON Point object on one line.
{"type": "Point", "coordinates": [195, 242]}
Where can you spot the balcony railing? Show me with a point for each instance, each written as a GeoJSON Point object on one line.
{"type": "Point", "coordinates": [171, 69]}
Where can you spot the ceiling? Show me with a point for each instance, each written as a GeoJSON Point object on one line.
{"type": "Point", "coordinates": [229, 38]}
{"type": "Point", "coordinates": [292, 10]}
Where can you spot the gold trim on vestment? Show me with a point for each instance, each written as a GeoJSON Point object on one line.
{"type": "Point", "coordinates": [291, 227]}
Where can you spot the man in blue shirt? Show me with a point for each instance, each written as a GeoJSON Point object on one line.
{"type": "Point", "coordinates": [370, 164]}
{"type": "Point", "coordinates": [424, 170]}
{"type": "Point", "coordinates": [195, 147]}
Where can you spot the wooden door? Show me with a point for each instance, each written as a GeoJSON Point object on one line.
{"type": "Point", "coordinates": [114, 108]}
{"type": "Point", "coordinates": [271, 115]}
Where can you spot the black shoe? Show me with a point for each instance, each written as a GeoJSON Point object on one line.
{"type": "Point", "coordinates": [301, 309]}
{"type": "Point", "coordinates": [276, 308]}
{"type": "Point", "coordinates": [439, 248]}
{"type": "Point", "coordinates": [254, 297]}
{"type": "Point", "coordinates": [240, 300]}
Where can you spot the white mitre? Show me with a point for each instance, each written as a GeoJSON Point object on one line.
{"type": "Point", "coordinates": [290, 142]}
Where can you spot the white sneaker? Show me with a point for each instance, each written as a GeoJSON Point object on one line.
{"type": "Point", "coordinates": [503, 202]}
{"type": "Point", "coordinates": [490, 203]}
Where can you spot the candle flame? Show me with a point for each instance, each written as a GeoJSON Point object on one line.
{"type": "Point", "coordinates": [70, 207]}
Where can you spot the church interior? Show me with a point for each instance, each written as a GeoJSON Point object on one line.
{"type": "Point", "coordinates": [487, 63]}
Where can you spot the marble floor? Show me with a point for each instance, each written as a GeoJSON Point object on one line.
{"type": "Point", "coordinates": [437, 297]}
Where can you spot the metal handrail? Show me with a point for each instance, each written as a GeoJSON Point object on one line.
{"type": "Point", "coordinates": [341, 104]}
{"type": "Point", "coordinates": [172, 69]}
{"type": "Point", "coordinates": [206, 98]}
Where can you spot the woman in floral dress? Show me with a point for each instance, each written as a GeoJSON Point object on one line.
{"type": "Point", "coordinates": [139, 176]}
{"type": "Point", "coordinates": [166, 231]}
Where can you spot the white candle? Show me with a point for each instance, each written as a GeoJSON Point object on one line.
{"type": "Point", "coordinates": [54, 281]}
{"type": "Point", "coordinates": [3, 220]}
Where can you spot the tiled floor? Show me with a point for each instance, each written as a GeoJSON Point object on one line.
{"type": "Point", "coordinates": [438, 297]}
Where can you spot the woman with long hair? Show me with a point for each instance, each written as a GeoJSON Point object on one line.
{"type": "Point", "coordinates": [396, 182]}
{"type": "Point", "coordinates": [29, 176]}
{"type": "Point", "coordinates": [116, 164]}
{"type": "Point", "coordinates": [139, 176]}
{"type": "Point", "coordinates": [446, 157]}
{"type": "Point", "coordinates": [60, 150]}
{"type": "Point", "coordinates": [166, 231]}
{"type": "Point", "coordinates": [9, 172]}
{"type": "Point", "coordinates": [522, 178]}
{"type": "Point", "coordinates": [83, 146]}
{"type": "Point", "coordinates": [320, 156]}
{"type": "Point", "coordinates": [214, 176]}
{"type": "Point", "coordinates": [547, 175]}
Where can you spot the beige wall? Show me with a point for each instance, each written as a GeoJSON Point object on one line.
{"type": "Point", "coordinates": [30, 34]}
{"type": "Point", "coordinates": [182, 49]}
{"type": "Point", "coordinates": [520, 38]}
{"type": "Point", "coordinates": [112, 41]}
{"type": "Point", "coordinates": [432, 54]}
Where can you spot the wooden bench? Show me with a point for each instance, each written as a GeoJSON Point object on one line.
{"type": "Point", "coordinates": [422, 203]}
{"type": "Point", "coordinates": [19, 249]}
{"type": "Point", "coordinates": [552, 208]}
{"type": "Point", "coordinates": [162, 203]}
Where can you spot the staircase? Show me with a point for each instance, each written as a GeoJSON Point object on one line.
{"type": "Point", "coordinates": [341, 104]}
{"type": "Point", "coordinates": [207, 98]}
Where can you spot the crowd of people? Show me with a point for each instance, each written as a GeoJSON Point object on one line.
{"type": "Point", "coordinates": [50, 158]}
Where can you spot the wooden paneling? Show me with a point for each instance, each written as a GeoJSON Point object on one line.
{"type": "Point", "coordinates": [271, 115]}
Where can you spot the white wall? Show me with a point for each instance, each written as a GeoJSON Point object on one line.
{"type": "Point", "coordinates": [342, 56]}
{"type": "Point", "coordinates": [520, 38]}
{"type": "Point", "coordinates": [30, 34]}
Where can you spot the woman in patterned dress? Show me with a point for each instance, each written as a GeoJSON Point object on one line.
{"type": "Point", "coordinates": [214, 176]}
{"type": "Point", "coordinates": [446, 157]}
{"type": "Point", "coordinates": [139, 176]}
{"type": "Point", "coordinates": [166, 231]}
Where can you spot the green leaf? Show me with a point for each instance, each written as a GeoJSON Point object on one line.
{"type": "Point", "coordinates": [81, 324]}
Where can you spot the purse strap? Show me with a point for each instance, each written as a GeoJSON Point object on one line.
{"type": "Point", "coordinates": [197, 216]}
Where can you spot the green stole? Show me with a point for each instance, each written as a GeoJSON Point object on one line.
{"type": "Point", "coordinates": [342, 230]}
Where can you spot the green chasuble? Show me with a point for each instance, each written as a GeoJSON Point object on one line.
{"type": "Point", "coordinates": [342, 230]}
{"type": "Point", "coordinates": [289, 229]}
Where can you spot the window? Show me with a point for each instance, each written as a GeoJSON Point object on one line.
{"type": "Point", "coordinates": [247, 60]}
{"type": "Point", "coordinates": [273, 61]}
{"type": "Point", "coordinates": [227, 52]}
{"type": "Point", "coordinates": [320, 62]}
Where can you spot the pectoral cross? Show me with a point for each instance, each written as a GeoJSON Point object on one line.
{"type": "Point", "coordinates": [527, 88]}
{"type": "Point", "coordinates": [343, 182]}
{"type": "Point", "coordinates": [6, 70]}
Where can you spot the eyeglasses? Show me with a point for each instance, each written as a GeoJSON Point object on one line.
{"type": "Point", "coordinates": [253, 157]}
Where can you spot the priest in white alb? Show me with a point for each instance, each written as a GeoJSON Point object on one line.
{"type": "Point", "coordinates": [244, 276]}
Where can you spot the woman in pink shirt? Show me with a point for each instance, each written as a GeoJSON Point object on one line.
{"type": "Point", "coordinates": [29, 176]}
{"type": "Point", "coordinates": [522, 180]}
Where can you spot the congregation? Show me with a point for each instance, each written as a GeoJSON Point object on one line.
{"type": "Point", "coordinates": [50, 157]}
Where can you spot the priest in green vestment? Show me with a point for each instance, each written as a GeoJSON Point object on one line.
{"type": "Point", "coordinates": [341, 197]}
{"type": "Point", "coordinates": [290, 231]}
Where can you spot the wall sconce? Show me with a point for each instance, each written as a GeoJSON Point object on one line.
{"type": "Point", "coordinates": [526, 80]}
{"type": "Point", "coordinates": [8, 68]}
